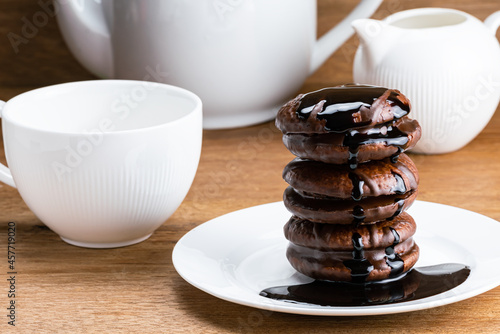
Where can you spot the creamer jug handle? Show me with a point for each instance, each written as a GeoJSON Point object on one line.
{"type": "Point", "coordinates": [492, 22]}
{"type": "Point", "coordinates": [333, 39]}
{"type": "Point", "coordinates": [5, 175]}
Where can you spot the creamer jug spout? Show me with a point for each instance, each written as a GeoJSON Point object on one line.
{"type": "Point", "coordinates": [376, 39]}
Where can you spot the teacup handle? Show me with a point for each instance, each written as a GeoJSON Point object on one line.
{"type": "Point", "coordinates": [333, 39]}
{"type": "Point", "coordinates": [5, 175]}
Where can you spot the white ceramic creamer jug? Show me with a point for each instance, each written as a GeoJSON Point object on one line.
{"type": "Point", "coordinates": [445, 61]}
{"type": "Point", "coordinates": [244, 58]}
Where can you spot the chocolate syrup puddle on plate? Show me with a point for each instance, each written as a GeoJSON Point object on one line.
{"type": "Point", "coordinates": [418, 283]}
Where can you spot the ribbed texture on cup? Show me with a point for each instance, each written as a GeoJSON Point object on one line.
{"type": "Point", "coordinates": [107, 204]}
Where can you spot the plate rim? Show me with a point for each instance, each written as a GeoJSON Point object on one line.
{"type": "Point", "coordinates": [292, 308]}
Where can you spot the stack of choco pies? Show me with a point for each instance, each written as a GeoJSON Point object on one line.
{"type": "Point", "coordinates": [350, 183]}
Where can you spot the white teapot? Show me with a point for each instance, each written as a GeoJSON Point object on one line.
{"type": "Point", "coordinates": [244, 58]}
{"type": "Point", "coordinates": [445, 61]}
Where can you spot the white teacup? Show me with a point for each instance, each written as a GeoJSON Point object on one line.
{"type": "Point", "coordinates": [102, 163]}
{"type": "Point", "coordinates": [243, 58]}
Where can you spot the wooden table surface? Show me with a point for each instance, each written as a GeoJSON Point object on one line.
{"type": "Point", "coordinates": [66, 289]}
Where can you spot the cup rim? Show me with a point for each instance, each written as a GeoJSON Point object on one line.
{"type": "Point", "coordinates": [6, 118]}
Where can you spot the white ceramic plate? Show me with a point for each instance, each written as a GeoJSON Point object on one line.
{"type": "Point", "coordinates": [235, 256]}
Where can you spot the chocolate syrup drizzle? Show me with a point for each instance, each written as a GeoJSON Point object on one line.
{"type": "Point", "coordinates": [395, 156]}
{"type": "Point", "coordinates": [400, 187]}
{"type": "Point", "coordinates": [358, 214]}
{"type": "Point", "coordinates": [400, 202]}
{"type": "Point", "coordinates": [393, 260]}
{"type": "Point", "coordinates": [359, 265]}
{"type": "Point", "coordinates": [339, 108]}
{"type": "Point", "coordinates": [357, 186]}
{"type": "Point", "coordinates": [357, 195]}
{"type": "Point", "coordinates": [340, 103]}
{"type": "Point", "coordinates": [389, 134]}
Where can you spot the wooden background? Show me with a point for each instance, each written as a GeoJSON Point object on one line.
{"type": "Point", "coordinates": [61, 288]}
